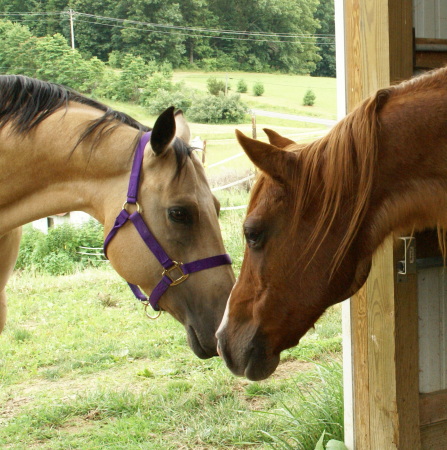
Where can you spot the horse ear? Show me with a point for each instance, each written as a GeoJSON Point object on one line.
{"type": "Point", "coordinates": [270, 159]}
{"type": "Point", "coordinates": [183, 131]}
{"type": "Point", "coordinates": [276, 139]}
{"type": "Point", "coordinates": [164, 131]}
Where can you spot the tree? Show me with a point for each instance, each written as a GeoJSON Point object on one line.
{"type": "Point", "coordinates": [196, 14]}
{"type": "Point", "coordinates": [289, 17]}
{"type": "Point", "coordinates": [149, 41]}
{"type": "Point", "coordinates": [326, 43]}
{"type": "Point", "coordinates": [12, 37]}
{"type": "Point", "coordinates": [94, 36]}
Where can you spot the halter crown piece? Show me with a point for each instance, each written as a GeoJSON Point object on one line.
{"type": "Point", "coordinates": [174, 272]}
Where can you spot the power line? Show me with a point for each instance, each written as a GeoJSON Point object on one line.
{"type": "Point", "coordinates": [258, 36]}
{"type": "Point", "coordinates": [228, 38]}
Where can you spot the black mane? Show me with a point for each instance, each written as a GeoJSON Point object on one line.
{"type": "Point", "coordinates": [25, 102]}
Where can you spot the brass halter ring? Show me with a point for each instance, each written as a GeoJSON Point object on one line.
{"type": "Point", "coordinates": [148, 315]}
{"type": "Point", "coordinates": [125, 204]}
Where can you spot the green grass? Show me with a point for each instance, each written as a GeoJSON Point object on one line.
{"type": "Point", "coordinates": [283, 93]}
{"type": "Point", "coordinates": [77, 374]}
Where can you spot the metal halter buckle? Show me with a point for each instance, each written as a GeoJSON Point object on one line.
{"type": "Point", "coordinates": [180, 279]}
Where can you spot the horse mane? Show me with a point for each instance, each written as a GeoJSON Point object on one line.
{"type": "Point", "coordinates": [341, 167]}
{"type": "Point", "coordinates": [26, 102]}
{"type": "Point", "coordinates": [338, 166]}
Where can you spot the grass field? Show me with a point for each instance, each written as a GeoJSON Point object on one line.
{"type": "Point", "coordinates": [283, 93]}
{"type": "Point", "coordinates": [82, 368]}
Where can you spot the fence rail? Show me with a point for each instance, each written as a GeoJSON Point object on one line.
{"type": "Point", "coordinates": [316, 133]}
{"type": "Point", "coordinates": [96, 252]}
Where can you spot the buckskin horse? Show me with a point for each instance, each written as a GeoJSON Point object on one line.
{"type": "Point", "coordinates": [61, 151]}
{"type": "Point", "coordinates": [318, 212]}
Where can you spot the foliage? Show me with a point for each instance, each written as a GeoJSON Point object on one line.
{"type": "Point", "coordinates": [242, 87]}
{"type": "Point", "coordinates": [309, 98]}
{"type": "Point", "coordinates": [272, 39]}
{"type": "Point", "coordinates": [163, 99]}
{"type": "Point", "coordinates": [326, 67]}
{"type": "Point", "coordinates": [56, 253]}
{"type": "Point", "coordinates": [258, 89]}
{"type": "Point", "coordinates": [220, 108]}
{"type": "Point", "coordinates": [331, 445]}
{"type": "Point", "coordinates": [215, 87]}
{"type": "Point", "coordinates": [314, 411]}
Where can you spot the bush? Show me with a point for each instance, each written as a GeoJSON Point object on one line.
{"type": "Point", "coordinates": [164, 99]}
{"type": "Point", "coordinates": [215, 87]}
{"type": "Point", "coordinates": [56, 252]}
{"type": "Point", "coordinates": [215, 109]}
{"type": "Point", "coordinates": [58, 264]}
{"type": "Point", "coordinates": [309, 98]}
{"type": "Point", "coordinates": [242, 87]}
{"type": "Point", "coordinates": [258, 89]}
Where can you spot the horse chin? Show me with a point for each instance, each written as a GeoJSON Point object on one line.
{"type": "Point", "coordinates": [252, 362]}
{"type": "Point", "coordinates": [259, 369]}
{"type": "Point", "coordinates": [201, 350]}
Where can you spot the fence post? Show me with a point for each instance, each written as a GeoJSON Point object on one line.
{"type": "Point", "coordinates": [204, 152]}
{"type": "Point", "coordinates": [253, 125]}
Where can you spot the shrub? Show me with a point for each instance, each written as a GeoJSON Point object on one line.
{"type": "Point", "coordinates": [215, 109]}
{"type": "Point", "coordinates": [164, 99]}
{"type": "Point", "coordinates": [56, 252]}
{"type": "Point", "coordinates": [215, 87]}
{"type": "Point", "coordinates": [58, 264]}
{"type": "Point", "coordinates": [309, 98]}
{"type": "Point", "coordinates": [242, 87]}
{"type": "Point", "coordinates": [258, 89]}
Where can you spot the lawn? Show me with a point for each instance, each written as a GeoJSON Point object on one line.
{"type": "Point", "coordinates": [283, 93]}
{"type": "Point", "coordinates": [81, 367]}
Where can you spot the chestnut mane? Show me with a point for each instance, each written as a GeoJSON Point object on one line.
{"type": "Point", "coordinates": [342, 165]}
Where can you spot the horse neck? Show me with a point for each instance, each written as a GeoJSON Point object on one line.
{"type": "Point", "coordinates": [410, 186]}
{"type": "Point", "coordinates": [41, 175]}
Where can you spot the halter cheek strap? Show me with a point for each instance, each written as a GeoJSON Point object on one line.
{"type": "Point", "coordinates": [174, 272]}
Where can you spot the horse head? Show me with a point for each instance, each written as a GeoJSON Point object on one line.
{"type": "Point", "coordinates": [288, 276]}
{"type": "Point", "coordinates": [175, 201]}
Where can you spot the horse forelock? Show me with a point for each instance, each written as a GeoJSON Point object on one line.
{"type": "Point", "coordinates": [182, 152]}
{"type": "Point", "coordinates": [25, 102]}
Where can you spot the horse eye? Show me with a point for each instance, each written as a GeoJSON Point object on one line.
{"type": "Point", "coordinates": [179, 215]}
{"type": "Point", "coordinates": [253, 237]}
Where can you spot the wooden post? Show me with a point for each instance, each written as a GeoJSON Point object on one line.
{"type": "Point", "coordinates": [383, 321]}
{"type": "Point", "coordinates": [253, 125]}
{"type": "Point", "coordinates": [204, 152]}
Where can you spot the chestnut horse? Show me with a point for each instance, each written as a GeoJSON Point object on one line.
{"type": "Point", "coordinates": [61, 151]}
{"type": "Point", "coordinates": [318, 212]}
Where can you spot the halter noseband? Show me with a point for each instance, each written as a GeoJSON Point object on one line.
{"type": "Point", "coordinates": [174, 272]}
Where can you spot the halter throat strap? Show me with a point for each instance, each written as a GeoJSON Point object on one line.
{"type": "Point", "coordinates": [174, 272]}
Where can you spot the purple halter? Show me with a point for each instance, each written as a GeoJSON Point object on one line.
{"type": "Point", "coordinates": [174, 272]}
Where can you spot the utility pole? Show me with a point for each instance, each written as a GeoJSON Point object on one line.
{"type": "Point", "coordinates": [70, 11]}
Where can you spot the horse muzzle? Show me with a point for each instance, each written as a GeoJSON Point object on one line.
{"type": "Point", "coordinates": [252, 360]}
